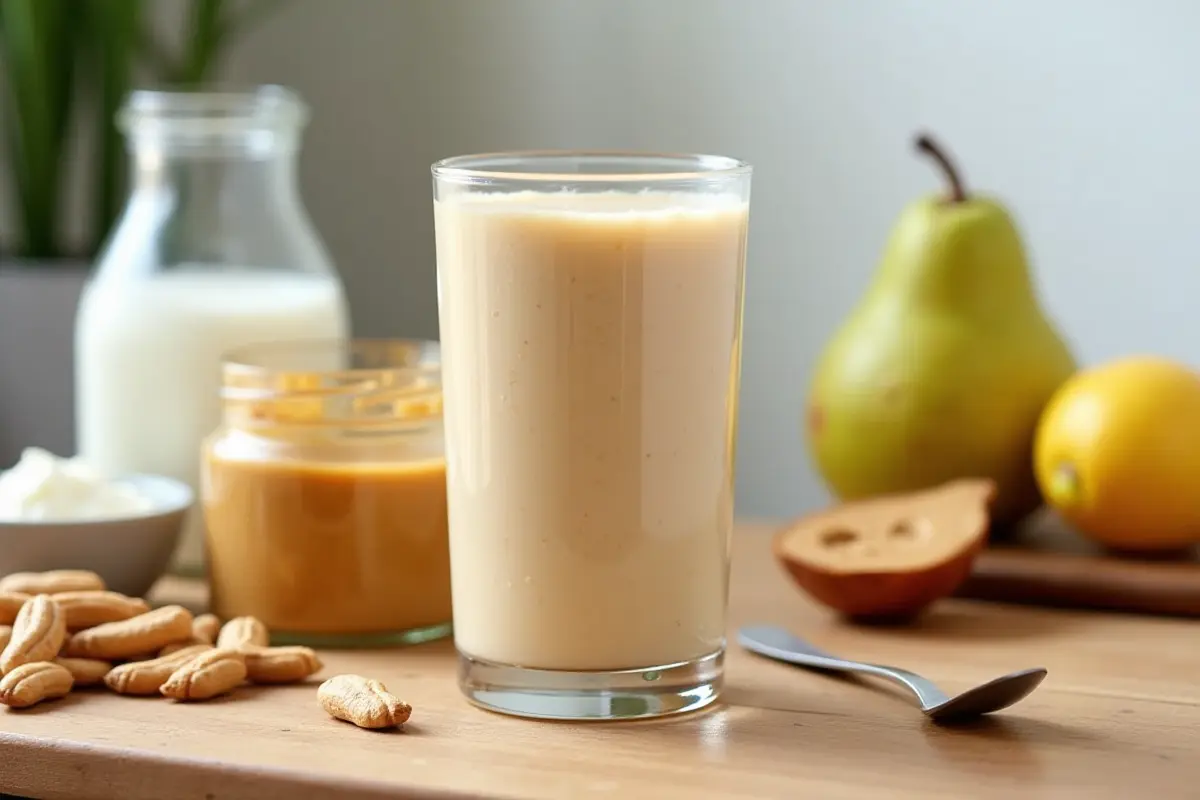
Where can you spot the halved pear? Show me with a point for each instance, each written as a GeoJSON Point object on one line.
{"type": "Point", "coordinates": [888, 558]}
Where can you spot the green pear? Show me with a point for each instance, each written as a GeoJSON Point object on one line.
{"type": "Point", "coordinates": [945, 365]}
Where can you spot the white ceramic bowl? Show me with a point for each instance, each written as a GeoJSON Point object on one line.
{"type": "Point", "coordinates": [130, 553]}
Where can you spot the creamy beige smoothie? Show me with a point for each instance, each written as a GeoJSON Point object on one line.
{"type": "Point", "coordinates": [591, 348]}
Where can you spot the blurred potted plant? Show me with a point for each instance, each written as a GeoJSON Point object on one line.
{"type": "Point", "coordinates": [65, 69]}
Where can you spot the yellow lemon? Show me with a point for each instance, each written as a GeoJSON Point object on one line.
{"type": "Point", "coordinates": [1117, 453]}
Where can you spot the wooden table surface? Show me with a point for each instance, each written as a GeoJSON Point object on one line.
{"type": "Point", "coordinates": [1119, 713]}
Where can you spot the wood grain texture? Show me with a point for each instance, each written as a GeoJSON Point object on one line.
{"type": "Point", "coordinates": [1044, 562]}
{"type": "Point", "coordinates": [1067, 580]}
{"type": "Point", "coordinates": [1118, 714]}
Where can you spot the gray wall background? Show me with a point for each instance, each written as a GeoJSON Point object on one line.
{"type": "Point", "coordinates": [1082, 114]}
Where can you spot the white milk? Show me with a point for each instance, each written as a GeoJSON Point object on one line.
{"type": "Point", "coordinates": [148, 363]}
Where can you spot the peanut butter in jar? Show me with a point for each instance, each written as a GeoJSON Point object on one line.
{"type": "Point", "coordinates": [324, 493]}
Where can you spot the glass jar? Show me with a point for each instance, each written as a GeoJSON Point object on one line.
{"type": "Point", "coordinates": [324, 493]}
{"type": "Point", "coordinates": [214, 250]}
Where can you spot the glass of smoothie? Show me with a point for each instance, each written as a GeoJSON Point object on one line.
{"type": "Point", "coordinates": [591, 316]}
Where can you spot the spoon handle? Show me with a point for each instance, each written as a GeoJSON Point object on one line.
{"type": "Point", "coordinates": [780, 645]}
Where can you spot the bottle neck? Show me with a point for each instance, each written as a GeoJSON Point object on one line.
{"type": "Point", "coordinates": [220, 202]}
{"type": "Point", "coordinates": [221, 179]}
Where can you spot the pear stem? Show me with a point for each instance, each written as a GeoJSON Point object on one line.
{"type": "Point", "coordinates": [925, 144]}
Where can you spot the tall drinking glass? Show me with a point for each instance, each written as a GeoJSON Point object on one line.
{"type": "Point", "coordinates": [591, 317]}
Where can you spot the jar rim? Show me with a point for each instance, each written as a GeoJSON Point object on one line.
{"type": "Point", "coordinates": [590, 166]}
{"type": "Point", "coordinates": [360, 383]}
{"type": "Point", "coordinates": [297, 355]}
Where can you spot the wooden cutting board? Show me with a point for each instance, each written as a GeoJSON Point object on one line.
{"type": "Point", "coordinates": [1045, 563]}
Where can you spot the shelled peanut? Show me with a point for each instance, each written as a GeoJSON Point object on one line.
{"type": "Point", "coordinates": [64, 630]}
{"type": "Point", "coordinates": [38, 634]}
{"type": "Point", "coordinates": [365, 702]}
{"type": "Point", "coordinates": [33, 682]}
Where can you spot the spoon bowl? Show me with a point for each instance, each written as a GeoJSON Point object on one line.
{"type": "Point", "coordinates": [996, 694]}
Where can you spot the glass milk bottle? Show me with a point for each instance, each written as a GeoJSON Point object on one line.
{"type": "Point", "coordinates": [214, 251]}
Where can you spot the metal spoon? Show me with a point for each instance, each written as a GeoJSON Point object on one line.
{"type": "Point", "coordinates": [1002, 692]}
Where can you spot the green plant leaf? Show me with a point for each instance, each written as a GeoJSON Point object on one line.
{"type": "Point", "coordinates": [115, 28]}
{"type": "Point", "coordinates": [39, 62]}
{"type": "Point", "coordinates": [71, 62]}
{"type": "Point", "coordinates": [203, 42]}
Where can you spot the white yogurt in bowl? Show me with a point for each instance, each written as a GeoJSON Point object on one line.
{"type": "Point", "coordinates": [42, 487]}
{"type": "Point", "coordinates": [60, 513]}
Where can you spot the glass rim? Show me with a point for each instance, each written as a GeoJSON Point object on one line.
{"type": "Point", "coordinates": [490, 167]}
